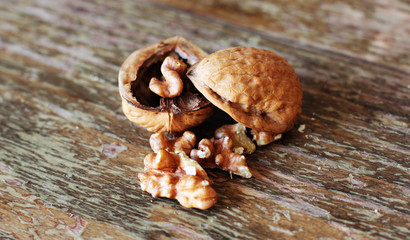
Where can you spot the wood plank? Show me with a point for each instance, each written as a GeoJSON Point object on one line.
{"type": "Point", "coordinates": [62, 130]}
{"type": "Point", "coordinates": [25, 216]}
{"type": "Point", "coordinates": [371, 30]}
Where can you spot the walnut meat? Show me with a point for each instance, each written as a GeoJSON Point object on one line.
{"type": "Point", "coordinates": [264, 138]}
{"type": "Point", "coordinates": [229, 160]}
{"type": "Point", "coordinates": [226, 150]}
{"type": "Point", "coordinates": [175, 175]}
{"type": "Point", "coordinates": [240, 142]}
{"type": "Point", "coordinates": [184, 143]}
{"type": "Point", "coordinates": [254, 86]}
{"type": "Point", "coordinates": [205, 154]}
{"type": "Point", "coordinates": [184, 108]}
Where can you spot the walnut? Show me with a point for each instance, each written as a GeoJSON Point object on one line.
{"type": "Point", "coordinates": [175, 175]}
{"type": "Point", "coordinates": [225, 150]}
{"type": "Point", "coordinates": [237, 132]}
{"type": "Point", "coordinates": [180, 106]}
{"type": "Point", "coordinates": [205, 154]}
{"type": "Point", "coordinates": [172, 85]}
{"type": "Point", "coordinates": [228, 160]}
{"type": "Point", "coordinates": [254, 86]}
{"type": "Point", "coordinates": [184, 143]}
{"type": "Point", "coordinates": [264, 138]}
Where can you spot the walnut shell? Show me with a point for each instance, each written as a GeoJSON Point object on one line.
{"type": "Point", "coordinates": [254, 86]}
{"type": "Point", "coordinates": [149, 110]}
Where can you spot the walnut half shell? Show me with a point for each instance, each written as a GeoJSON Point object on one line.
{"type": "Point", "coordinates": [254, 86]}
{"type": "Point", "coordinates": [151, 111]}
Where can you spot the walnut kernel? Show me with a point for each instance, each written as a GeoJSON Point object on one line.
{"type": "Point", "coordinates": [171, 85]}
{"type": "Point", "coordinates": [175, 175]}
{"type": "Point", "coordinates": [225, 150]}
{"type": "Point", "coordinates": [264, 138]}
{"type": "Point", "coordinates": [237, 132]}
{"type": "Point", "coordinates": [184, 143]}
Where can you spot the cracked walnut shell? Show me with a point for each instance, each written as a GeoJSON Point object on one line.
{"type": "Point", "coordinates": [254, 86]}
{"type": "Point", "coordinates": [147, 109]}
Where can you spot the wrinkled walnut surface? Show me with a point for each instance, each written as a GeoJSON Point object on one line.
{"type": "Point", "coordinates": [254, 86]}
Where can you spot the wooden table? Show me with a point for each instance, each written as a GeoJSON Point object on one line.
{"type": "Point", "coordinates": [69, 158]}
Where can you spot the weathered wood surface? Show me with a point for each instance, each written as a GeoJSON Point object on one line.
{"type": "Point", "coordinates": [69, 158]}
{"type": "Point", "coordinates": [372, 30]}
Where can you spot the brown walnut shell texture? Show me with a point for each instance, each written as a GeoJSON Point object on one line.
{"type": "Point", "coordinates": [254, 86]}
{"type": "Point", "coordinates": [160, 118]}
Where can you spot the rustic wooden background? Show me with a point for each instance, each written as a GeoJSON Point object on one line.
{"type": "Point", "coordinates": [69, 158]}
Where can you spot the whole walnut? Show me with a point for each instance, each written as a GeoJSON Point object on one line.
{"type": "Point", "coordinates": [155, 91]}
{"type": "Point", "coordinates": [254, 86]}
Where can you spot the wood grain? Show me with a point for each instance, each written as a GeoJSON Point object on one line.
{"type": "Point", "coordinates": [370, 30]}
{"type": "Point", "coordinates": [69, 158]}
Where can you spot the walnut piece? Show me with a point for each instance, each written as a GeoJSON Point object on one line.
{"type": "Point", "coordinates": [175, 175]}
{"type": "Point", "coordinates": [171, 85]}
{"type": "Point", "coordinates": [228, 160]}
{"type": "Point", "coordinates": [205, 154]}
{"type": "Point", "coordinates": [264, 138]}
{"type": "Point", "coordinates": [184, 143]}
{"type": "Point", "coordinates": [237, 132]}
{"type": "Point", "coordinates": [225, 150]}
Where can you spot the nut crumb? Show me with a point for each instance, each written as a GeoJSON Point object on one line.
{"type": "Point", "coordinates": [302, 128]}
